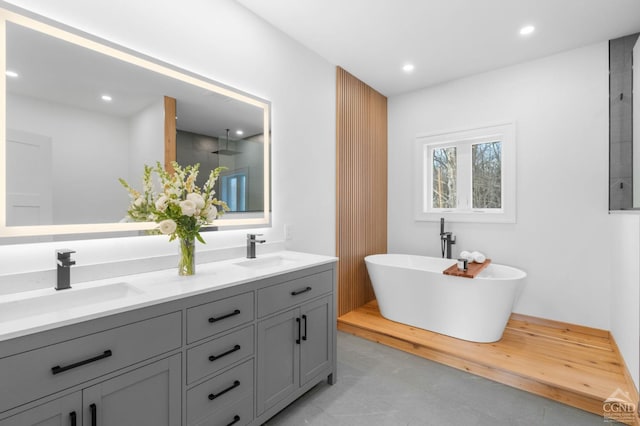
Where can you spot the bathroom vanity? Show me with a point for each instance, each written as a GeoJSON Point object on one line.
{"type": "Point", "coordinates": [232, 345]}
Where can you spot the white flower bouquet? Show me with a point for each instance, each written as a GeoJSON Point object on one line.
{"type": "Point", "coordinates": [181, 208]}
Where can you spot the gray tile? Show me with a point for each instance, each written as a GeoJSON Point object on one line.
{"type": "Point", "coordinates": [380, 386]}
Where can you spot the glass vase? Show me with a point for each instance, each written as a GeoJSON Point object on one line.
{"type": "Point", "coordinates": [187, 263]}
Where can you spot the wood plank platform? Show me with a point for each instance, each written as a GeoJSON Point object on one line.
{"type": "Point", "coordinates": [575, 365]}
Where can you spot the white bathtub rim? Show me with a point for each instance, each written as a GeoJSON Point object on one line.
{"type": "Point", "coordinates": [518, 274]}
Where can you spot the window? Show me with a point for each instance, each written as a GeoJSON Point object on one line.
{"type": "Point", "coordinates": [234, 191]}
{"type": "Point", "coordinates": [466, 176]}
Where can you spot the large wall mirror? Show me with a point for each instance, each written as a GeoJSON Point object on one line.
{"type": "Point", "coordinates": [624, 124]}
{"type": "Point", "coordinates": [80, 113]}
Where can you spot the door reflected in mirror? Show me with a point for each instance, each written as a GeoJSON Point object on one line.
{"type": "Point", "coordinates": [81, 113]}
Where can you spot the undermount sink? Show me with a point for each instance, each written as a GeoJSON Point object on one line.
{"type": "Point", "coordinates": [266, 262]}
{"type": "Point", "coordinates": [61, 300]}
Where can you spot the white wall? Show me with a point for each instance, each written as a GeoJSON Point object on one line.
{"type": "Point", "coordinates": [583, 264]}
{"type": "Point", "coordinates": [560, 106]}
{"type": "Point", "coordinates": [223, 41]}
{"type": "Point", "coordinates": [146, 128]}
{"type": "Point", "coordinates": [84, 144]}
{"type": "Point", "coordinates": [625, 288]}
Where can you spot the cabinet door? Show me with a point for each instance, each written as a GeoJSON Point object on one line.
{"type": "Point", "coordinates": [317, 338]}
{"type": "Point", "coordinates": [148, 396]}
{"type": "Point", "coordinates": [278, 358]}
{"type": "Point", "coordinates": [65, 411]}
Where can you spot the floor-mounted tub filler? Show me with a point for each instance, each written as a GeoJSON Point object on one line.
{"type": "Point", "coordinates": [414, 291]}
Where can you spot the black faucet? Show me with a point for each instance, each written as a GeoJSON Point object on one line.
{"type": "Point", "coordinates": [64, 268]}
{"type": "Point", "coordinates": [447, 239]}
{"type": "Point", "coordinates": [251, 245]}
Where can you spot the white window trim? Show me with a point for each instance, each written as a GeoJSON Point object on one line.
{"type": "Point", "coordinates": [423, 167]}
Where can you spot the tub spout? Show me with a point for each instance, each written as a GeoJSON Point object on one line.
{"type": "Point", "coordinates": [447, 239]}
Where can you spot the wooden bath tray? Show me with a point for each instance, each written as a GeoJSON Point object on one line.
{"type": "Point", "coordinates": [473, 269]}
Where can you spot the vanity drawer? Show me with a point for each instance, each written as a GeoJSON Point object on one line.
{"type": "Point", "coordinates": [220, 392]}
{"type": "Point", "coordinates": [34, 374]}
{"type": "Point", "coordinates": [216, 317]}
{"type": "Point", "coordinates": [240, 414]}
{"type": "Point", "coordinates": [217, 354]}
{"type": "Point", "coordinates": [291, 293]}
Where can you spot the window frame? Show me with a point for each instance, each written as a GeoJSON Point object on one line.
{"type": "Point", "coordinates": [463, 140]}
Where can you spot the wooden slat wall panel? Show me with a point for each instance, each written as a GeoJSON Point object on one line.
{"type": "Point", "coordinates": [361, 138]}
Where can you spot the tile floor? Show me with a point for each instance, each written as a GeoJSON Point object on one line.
{"type": "Point", "coordinates": [381, 386]}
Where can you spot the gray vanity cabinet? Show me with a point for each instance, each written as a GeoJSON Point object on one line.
{"type": "Point", "coordinates": [278, 359]}
{"type": "Point", "coordinates": [234, 355]}
{"type": "Point", "coordinates": [59, 412]}
{"type": "Point", "coordinates": [294, 347]}
{"type": "Point", "coordinates": [149, 395]}
{"type": "Point", "coordinates": [316, 348]}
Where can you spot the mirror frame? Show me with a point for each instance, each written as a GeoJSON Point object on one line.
{"type": "Point", "coordinates": [72, 35]}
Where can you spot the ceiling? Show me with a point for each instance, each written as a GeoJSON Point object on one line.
{"type": "Point", "coordinates": [444, 39]}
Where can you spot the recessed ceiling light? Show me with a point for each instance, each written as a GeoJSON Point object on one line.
{"type": "Point", "coordinates": [408, 67]}
{"type": "Point", "coordinates": [10, 73]}
{"type": "Point", "coordinates": [107, 98]}
{"type": "Point", "coordinates": [526, 30]}
{"type": "Point", "coordinates": [239, 132]}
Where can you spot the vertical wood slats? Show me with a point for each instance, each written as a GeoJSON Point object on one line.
{"type": "Point", "coordinates": [361, 138]}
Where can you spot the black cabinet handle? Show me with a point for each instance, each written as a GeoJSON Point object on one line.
{"type": "Point", "coordinates": [230, 351]}
{"type": "Point", "coordinates": [213, 319]}
{"type": "Point", "coordinates": [94, 414]}
{"type": "Point", "coordinates": [57, 369]}
{"type": "Point", "coordinates": [236, 419]}
{"type": "Point", "coordinates": [297, 292]}
{"type": "Point", "coordinates": [298, 339]}
{"type": "Point", "coordinates": [304, 317]}
{"type": "Point", "coordinates": [213, 396]}
{"type": "Point", "coordinates": [72, 418]}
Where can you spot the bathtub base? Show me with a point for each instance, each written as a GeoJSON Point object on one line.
{"type": "Point", "coordinates": [532, 356]}
{"type": "Point", "coordinates": [455, 325]}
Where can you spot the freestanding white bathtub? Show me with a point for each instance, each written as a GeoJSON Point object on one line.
{"type": "Point", "coordinates": [414, 291]}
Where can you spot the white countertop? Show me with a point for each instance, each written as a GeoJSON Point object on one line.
{"type": "Point", "coordinates": [39, 310]}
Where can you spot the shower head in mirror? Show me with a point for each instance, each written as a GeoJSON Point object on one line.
{"type": "Point", "coordinates": [226, 150]}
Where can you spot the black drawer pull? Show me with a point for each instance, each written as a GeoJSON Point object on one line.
{"type": "Point", "coordinates": [94, 414]}
{"type": "Point", "coordinates": [295, 293]}
{"type": "Point", "coordinates": [304, 317]}
{"type": "Point", "coordinates": [72, 418]}
{"type": "Point", "coordinates": [213, 319]}
{"type": "Point", "coordinates": [298, 339]}
{"type": "Point", "coordinates": [230, 351]}
{"type": "Point", "coordinates": [236, 419]}
{"type": "Point", "coordinates": [213, 396]}
{"type": "Point", "coordinates": [57, 369]}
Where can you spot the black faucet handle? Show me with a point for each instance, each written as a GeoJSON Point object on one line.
{"type": "Point", "coordinates": [64, 257]}
{"type": "Point", "coordinates": [64, 253]}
